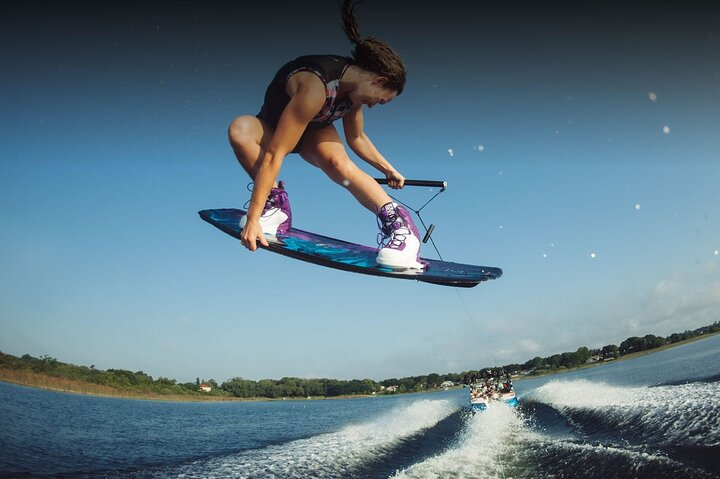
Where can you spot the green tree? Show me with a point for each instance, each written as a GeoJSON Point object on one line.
{"type": "Point", "coordinates": [652, 341]}
{"type": "Point", "coordinates": [632, 345]}
{"type": "Point", "coordinates": [610, 351]}
{"type": "Point", "coordinates": [434, 380]}
{"type": "Point", "coordinates": [534, 363]}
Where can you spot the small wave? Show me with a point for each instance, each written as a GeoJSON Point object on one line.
{"type": "Point", "coordinates": [549, 457]}
{"type": "Point", "coordinates": [329, 455]}
{"type": "Point", "coordinates": [687, 414]}
{"type": "Point", "coordinates": [705, 379]}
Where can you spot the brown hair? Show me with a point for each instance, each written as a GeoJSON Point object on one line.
{"type": "Point", "coordinates": [372, 54]}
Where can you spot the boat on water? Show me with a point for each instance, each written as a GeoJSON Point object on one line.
{"type": "Point", "coordinates": [492, 389]}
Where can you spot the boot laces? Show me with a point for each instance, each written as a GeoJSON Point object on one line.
{"type": "Point", "coordinates": [393, 232]}
{"type": "Point", "coordinates": [271, 202]}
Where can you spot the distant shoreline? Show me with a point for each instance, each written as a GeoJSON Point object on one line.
{"type": "Point", "coordinates": [71, 386]}
{"type": "Point", "coordinates": [621, 358]}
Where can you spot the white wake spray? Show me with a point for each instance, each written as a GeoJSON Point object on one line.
{"type": "Point", "coordinates": [328, 455]}
{"type": "Point", "coordinates": [480, 450]}
{"type": "Point", "coordinates": [686, 415]}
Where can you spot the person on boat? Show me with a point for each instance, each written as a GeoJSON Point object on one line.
{"type": "Point", "coordinates": [301, 103]}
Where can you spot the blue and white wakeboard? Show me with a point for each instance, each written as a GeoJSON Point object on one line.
{"type": "Point", "coordinates": [346, 256]}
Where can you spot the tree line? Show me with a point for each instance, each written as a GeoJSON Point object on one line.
{"type": "Point", "coordinates": [568, 360]}
{"type": "Point", "coordinates": [300, 388]}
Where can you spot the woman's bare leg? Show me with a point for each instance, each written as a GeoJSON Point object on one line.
{"type": "Point", "coordinates": [324, 149]}
{"type": "Point", "coordinates": [249, 137]}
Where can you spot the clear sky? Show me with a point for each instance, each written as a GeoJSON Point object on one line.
{"type": "Point", "coordinates": [581, 144]}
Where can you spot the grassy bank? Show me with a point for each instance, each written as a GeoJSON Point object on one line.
{"type": "Point", "coordinates": [52, 383]}
{"type": "Point", "coordinates": [44, 381]}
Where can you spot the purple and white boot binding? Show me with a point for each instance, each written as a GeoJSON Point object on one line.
{"type": "Point", "coordinates": [276, 217]}
{"type": "Point", "coordinates": [398, 239]}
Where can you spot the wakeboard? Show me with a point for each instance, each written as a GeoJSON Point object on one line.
{"type": "Point", "coordinates": [346, 256]}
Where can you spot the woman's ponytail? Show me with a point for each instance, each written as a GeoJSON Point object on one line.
{"type": "Point", "coordinates": [349, 21]}
{"type": "Point", "coordinates": [372, 54]}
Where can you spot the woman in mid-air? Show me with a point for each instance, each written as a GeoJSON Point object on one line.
{"type": "Point", "coordinates": [303, 100]}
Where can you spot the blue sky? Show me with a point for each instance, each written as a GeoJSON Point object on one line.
{"type": "Point", "coordinates": [598, 199]}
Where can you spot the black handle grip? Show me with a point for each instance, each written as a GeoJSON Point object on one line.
{"type": "Point", "coordinates": [429, 183]}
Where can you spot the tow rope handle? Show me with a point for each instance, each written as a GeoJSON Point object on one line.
{"type": "Point", "coordinates": [427, 183]}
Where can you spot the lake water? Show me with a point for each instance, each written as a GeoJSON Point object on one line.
{"type": "Point", "coordinates": [650, 417]}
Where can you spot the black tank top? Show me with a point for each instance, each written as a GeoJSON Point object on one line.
{"type": "Point", "coordinates": [329, 68]}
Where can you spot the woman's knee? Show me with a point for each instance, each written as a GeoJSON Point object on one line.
{"type": "Point", "coordinates": [243, 130]}
{"type": "Point", "coordinates": [340, 168]}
